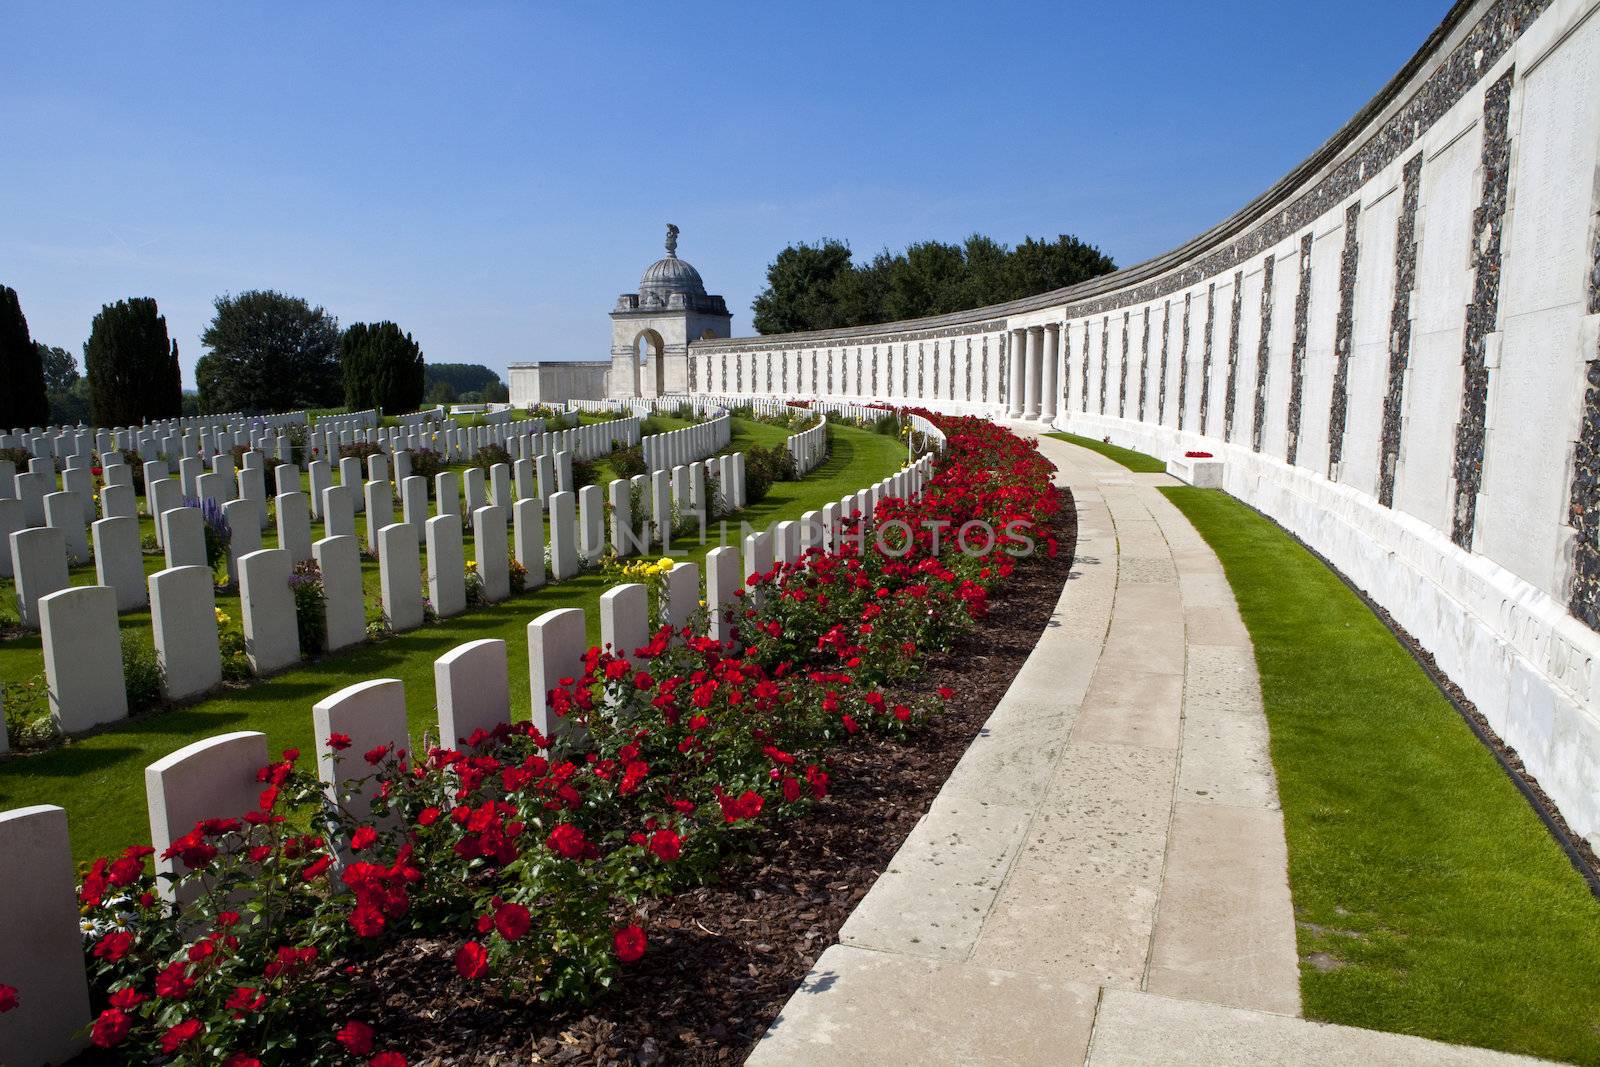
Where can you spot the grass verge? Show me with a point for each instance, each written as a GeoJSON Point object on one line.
{"type": "Point", "coordinates": [1428, 896]}
{"type": "Point", "coordinates": [99, 779]}
{"type": "Point", "coordinates": [1134, 461]}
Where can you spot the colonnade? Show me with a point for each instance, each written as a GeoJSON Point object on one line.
{"type": "Point", "coordinates": [1034, 385]}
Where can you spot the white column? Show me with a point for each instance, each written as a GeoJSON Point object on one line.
{"type": "Point", "coordinates": [1014, 372]}
{"type": "Point", "coordinates": [1050, 381]}
{"type": "Point", "coordinates": [1030, 381]}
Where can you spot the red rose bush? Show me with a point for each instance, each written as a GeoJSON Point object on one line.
{"type": "Point", "coordinates": [527, 854]}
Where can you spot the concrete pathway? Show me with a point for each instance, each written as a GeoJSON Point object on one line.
{"type": "Point", "coordinates": [1103, 879]}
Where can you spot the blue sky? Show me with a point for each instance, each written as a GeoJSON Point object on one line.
{"type": "Point", "coordinates": [492, 176]}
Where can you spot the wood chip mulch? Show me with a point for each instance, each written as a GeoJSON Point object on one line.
{"type": "Point", "coordinates": [724, 958]}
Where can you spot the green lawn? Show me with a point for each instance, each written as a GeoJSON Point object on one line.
{"type": "Point", "coordinates": [1427, 891]}
{"type": "Point", "coordinates": [1134, 461]}
{"type": "Point", "coordinates": [99, 779]}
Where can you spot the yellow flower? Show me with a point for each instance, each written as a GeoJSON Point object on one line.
{"type": "Point", "coordinates": [665, 563]}
{"type": "Point", "coordinates": [472, 564]}
{"type": "Point", "coordinates": [223, 618]}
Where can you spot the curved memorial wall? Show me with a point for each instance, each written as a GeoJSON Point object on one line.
{"type": "Point", "coordinates": [1395, 351]}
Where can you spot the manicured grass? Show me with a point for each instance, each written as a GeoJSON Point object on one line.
{"type": "Point", "coordinates": [1134, 461]}
{"type": "Point", "coordinates": [99, 779]}
{"type": "Point", "coordinates": [1437, 901]}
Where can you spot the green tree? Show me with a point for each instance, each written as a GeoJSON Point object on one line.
{"type": "Point", "coordinates": [22, 400]}
{"type": "Point", "coordinates": [383, 368]}
{"type": "Point", "coordinates": [68, 391]}
{"type": "Point", "coordinates": [60, 367]}
{"type": "Point", "coordinates": [128, 360]}
{"type": "Point", "coordinates": [818, 287]}
{"type": "Point", "coordinates": [442, 392]}
{"type": "Point", "coordinates": [801, 284]}
{"type": "Point", "coordinates": [461, 377]}
{"type": "Point", "coordinates": [269, 352]}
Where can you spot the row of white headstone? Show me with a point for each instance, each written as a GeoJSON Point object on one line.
{"type": "Point", "coordinates": [81, 637]}
{"type": "Point", "coordinates": [809, 448]}
{"type": "Point", "coordinates": [663, 451]}
{"type": "Point", "coordinates": [30, 489]}
{"type": "Point", "coordinates": [190, 435]}
{"type": "Point", "coordinates": [858, 414]}
{"type": "Point", "coordinates": [42, 949]}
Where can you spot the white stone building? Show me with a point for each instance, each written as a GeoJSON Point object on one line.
{"type": "Point", "coordinates": [650, 335]}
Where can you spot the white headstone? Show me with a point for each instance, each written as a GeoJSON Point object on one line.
{"type": "Point", "coordinates": [183, 622]}
{"type": "Point", "coordinates": [680, 598]}
{"type": "Point", "coordinates": [527, 536]}
{"type": "Point", "coordinates": [400, 576]}
{"type": "Point", "coordinates": [625, 618]}
{"type": "Point", "coordinates": [271, 634]}
{"type": "Point", "coordinates": [83, 657]}
{"type": "Point", "coordinates": [294, 525]}
{"type": "Point", "coordinates": [213, 778]}
{"type": "Point", "coordinates": [41, 944]}
{"type": "Point", "coordinates": [39, 560]}
{"type": "Point", "coordinates": [339, 560]}
{"type": "Point", "coordinates": [64, 512]}
{"type": "Point", "coordinates": [723, 578]}
{"type": "Point", "coordinates": [556, 644]}
{"type": "Point", "coordinates": [118, 561]}
{"type": "Point", "coordinates": [490, 551]}
{"type": "Point", "coordinates": [472, 690]}
{"type": "Point", "coordinates": [447, 589]}
{"type": "Point", "coordinates": [184, 536]}
{"type": "Point", "coordinates": [373, 715]}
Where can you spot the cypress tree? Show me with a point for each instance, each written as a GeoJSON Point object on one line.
{"type": "Point", "coordinates": [383, 368]}
{"type": "Point", "coordinates": [128, 359]}
{"type": "Point", "coordinates": [23, 401]}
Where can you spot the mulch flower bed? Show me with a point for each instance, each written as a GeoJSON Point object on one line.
{"type": "Point", "coordinates": [726, 957]}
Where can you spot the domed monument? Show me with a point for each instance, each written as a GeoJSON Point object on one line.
{"type": "Point", "coordinates": [651, 329]}
{"type": "Point", "coordinates": [650, 334]}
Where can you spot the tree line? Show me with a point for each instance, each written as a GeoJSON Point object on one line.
{"type": "Point", "coordinates": [266, 351]}
{"type": "Point", "coordinates": [820, 287]}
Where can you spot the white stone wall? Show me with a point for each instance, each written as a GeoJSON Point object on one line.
{"type": "Point", "coordinates": [1498, 129]}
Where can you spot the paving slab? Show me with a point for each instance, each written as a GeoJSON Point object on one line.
{"type": "Point", "coordinates": [1134, 1029]}
{"type": "Point", "coordinates": [859, 1007]}
{"type": "Point", "coordinates": [1225, 929]}
{"type": "Point", "coordinates": [1080, 900]}
{"type": "Point", "coordinates": [932, 898]}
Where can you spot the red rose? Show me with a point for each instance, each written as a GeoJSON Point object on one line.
{"type": "Point", "coordinates": [512, 920]}
{"type": "Point", "coordinates": [172, 983]}
{"type": "Point", "coordinates": [364, 837]}
{"type": "Point", "coordinates": [366, 920]}
{"type": "Point", "coordinates": [375, 756]}
{"type": "Point", "coordinates": [338, 742]}
{"type": "Point", "coordinates": [630, 944]}
{"type": "Point", "coordinates": [180, 1034]}
{"type": "Point", "coordinates": [245, 999]}
{"type": "Point", "coordinates": [113, 946]}
{"type": "Point", "coordinates": [314, 870]}
{"type": "Point", "coordinates": [568, 841]}
{"type": "Point", "coordinates": [241, 1059]}
{"type": "Point", "coordinates": [667, 845]}
{"type": "Point", "coordinates": [387, 1059]}
{"type": "Point", "coordinates": [111, 1028]}
{"type": "Point", "coordinates": [428, 816]}
{"type": "Point", "coordinates": [127, 998]}
{"type": "Point", "coordinates": [472, 961]}
{"type": "Point", "coordinates": [356, 1037]}
{"type": "Point", "coordinates": [8, 998]}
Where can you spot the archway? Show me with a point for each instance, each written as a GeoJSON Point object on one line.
{"type": "Point", "coordinates": [649, 347]}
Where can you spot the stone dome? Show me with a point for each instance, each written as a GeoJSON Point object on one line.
{"type": "Point", "coordinates": [671, 275]}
